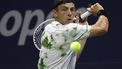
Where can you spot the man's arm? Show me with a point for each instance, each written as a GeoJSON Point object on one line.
{"type": "Point", "coordinates": [100, 27]}
{"type": "Point", "coordinates": [102, 24]}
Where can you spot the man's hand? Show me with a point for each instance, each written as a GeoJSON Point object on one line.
{"type": "Point", "coordinates": [94, 9]}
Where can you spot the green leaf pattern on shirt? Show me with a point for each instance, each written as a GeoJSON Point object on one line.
{"type": "Point", "coordinates": [46, 43]}
{"type": "Point", "coordinates": [41, 64]}
{"type": "Point", "coordinates": [61, 48]}
{"type": "Point", "coordinates": [73, 30]}
{"type": "Point", "coordinates": [52, 38]}
{"type": "Point", "coordinates": [63, 54]}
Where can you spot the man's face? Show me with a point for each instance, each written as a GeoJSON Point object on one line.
{"type": "Point", "coordinates": [65, 13]}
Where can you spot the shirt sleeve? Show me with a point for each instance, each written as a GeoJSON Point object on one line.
{"type": "Point", "coordinates": [82, 31]}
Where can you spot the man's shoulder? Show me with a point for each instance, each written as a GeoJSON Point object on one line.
{"type": "Point", "coordinates": [47, 22]}
{"type": "Point", "coordinates": [72, 25]}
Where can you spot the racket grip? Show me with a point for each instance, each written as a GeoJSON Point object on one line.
{"type": "Point", "coordinates": [85, 15]}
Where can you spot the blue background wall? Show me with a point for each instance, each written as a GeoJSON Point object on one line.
{"type": "Point", "coordinates": [17, 50]}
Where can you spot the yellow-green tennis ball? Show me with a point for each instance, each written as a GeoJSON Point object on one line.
{"type": "Point", "coordinates": [75, 46]}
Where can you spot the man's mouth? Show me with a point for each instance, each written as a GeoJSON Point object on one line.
{"type": "Point", "coordinates": [69, 19]}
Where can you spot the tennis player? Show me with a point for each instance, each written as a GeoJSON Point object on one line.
{"type": "Point", "coordinates": [58, 33]}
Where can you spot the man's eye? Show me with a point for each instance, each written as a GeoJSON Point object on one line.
{"type": "Point", "coordinates": [72, 9]}
{"type": "Point", "coordinates": [64, 9]}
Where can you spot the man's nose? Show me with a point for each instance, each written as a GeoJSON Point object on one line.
{"type": "Point", "coordinates": [69, 13]}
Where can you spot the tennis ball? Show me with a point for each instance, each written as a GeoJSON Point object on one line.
{"type": "Point", "coordinates": [75, 46]}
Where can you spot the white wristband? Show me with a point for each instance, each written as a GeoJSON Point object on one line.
{"type": "Point", "coordinates": [85, 15]}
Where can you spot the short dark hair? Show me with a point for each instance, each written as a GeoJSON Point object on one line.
{"type": "Point", "coordinates": [59, 2]}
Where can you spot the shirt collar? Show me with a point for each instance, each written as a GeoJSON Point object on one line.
{"type": "Point", "coordinates": [56, 22]}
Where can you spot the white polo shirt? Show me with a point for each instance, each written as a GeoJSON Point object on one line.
{"type": "Point", "coordinates": [55, 52]}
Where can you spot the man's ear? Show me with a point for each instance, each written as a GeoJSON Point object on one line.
{"type": "Point", "coordinates": [54, 13]}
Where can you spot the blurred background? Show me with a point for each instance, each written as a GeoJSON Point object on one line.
{"type": "Point", "coordinates": [19, 18]}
